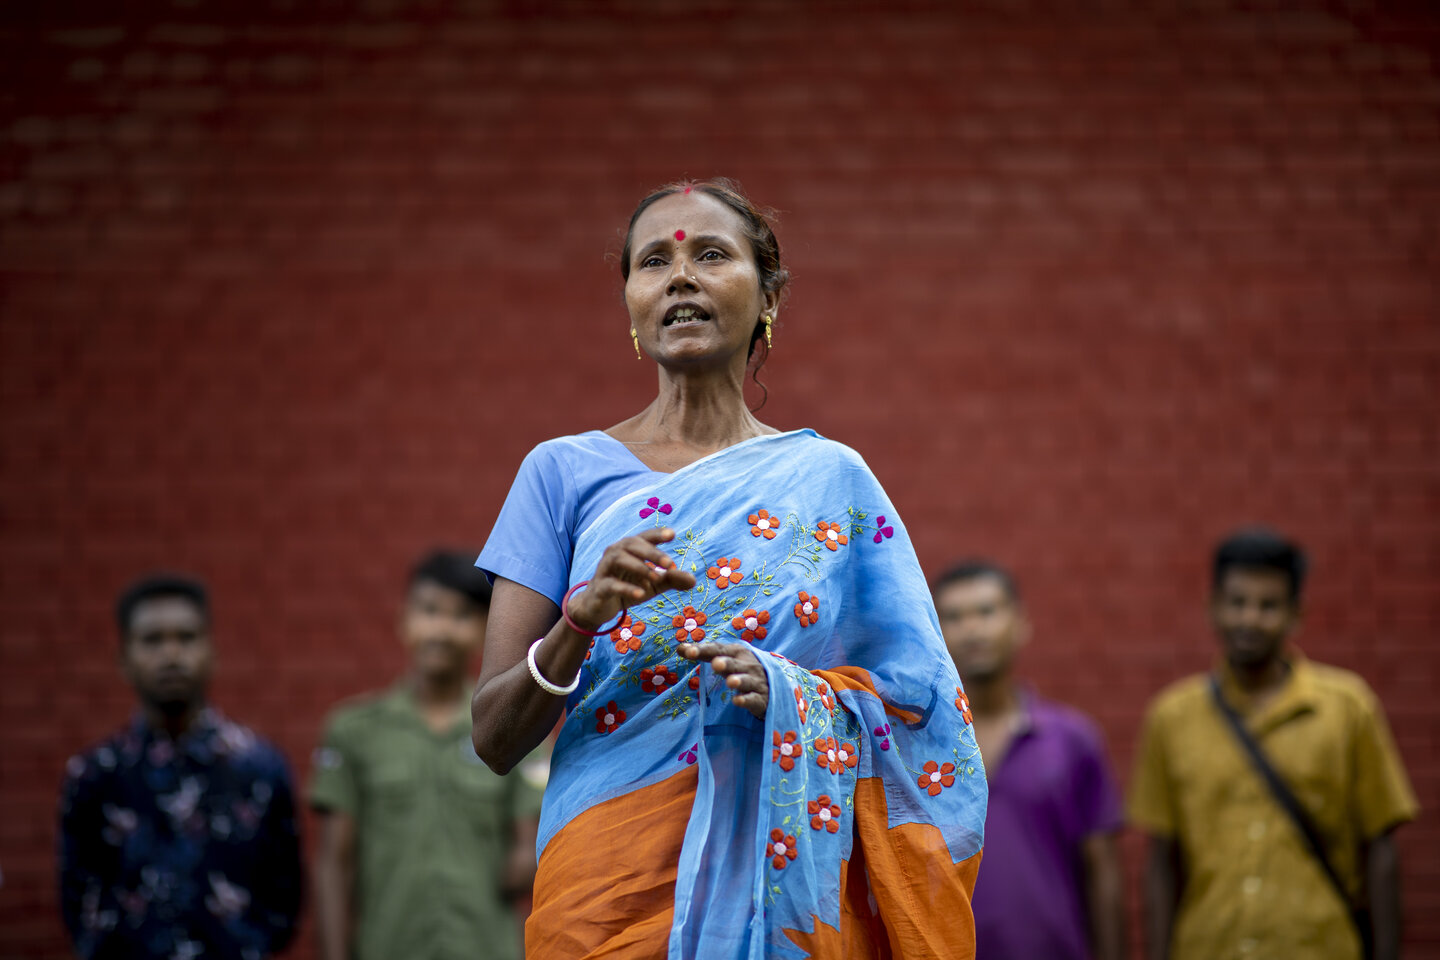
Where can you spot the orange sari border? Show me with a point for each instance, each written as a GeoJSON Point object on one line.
{"type": "Point", "coordinates": [632, 912]}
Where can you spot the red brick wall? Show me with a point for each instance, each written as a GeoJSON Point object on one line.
{"type": "Point", "coordinates": [285, 296]}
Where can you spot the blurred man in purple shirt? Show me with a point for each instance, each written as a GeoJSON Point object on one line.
{"type": "Point", "coordinates": [1051, 886]}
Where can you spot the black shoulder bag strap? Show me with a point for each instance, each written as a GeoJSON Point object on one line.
{"type": "Point", "coordinates": [1291, 806]}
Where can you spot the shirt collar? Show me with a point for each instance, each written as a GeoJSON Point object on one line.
{"type": "Point", "coordinates": [206, 722]}
{"type": "Point", "coordinates": [401, 701]}
{"type": "Point", "coordinates": [1295, 696]}
{"type": "Point", "coordinates": [1027, 718]}
{"type": "Point", "coordinates": [198, 742]}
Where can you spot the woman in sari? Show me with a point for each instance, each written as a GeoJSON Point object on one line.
{"type": "Point", "coordinates": [766, 750]}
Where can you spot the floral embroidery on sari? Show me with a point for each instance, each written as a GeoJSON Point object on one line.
{"type": "Point", "coordinates": [751, 625]}
{"type": "Point", "coordinates": [830, 536]}
{"type": "Point", "coordinates": [807, 609]}
{"type": "Point", "coordinates": [725, 572]}
{"type": "Point", "coordinates": [762, 524]}
{"type": "Point", "coordinates": [608, 718]}
{"type": "Point", "coordinates": [824, 815]}
{"type": "Point", "coordinates": [937, 776]}
{"type": "Point", "coordinates": [626, 636]}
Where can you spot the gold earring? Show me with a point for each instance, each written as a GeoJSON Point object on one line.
{"type": "Point", "coordinates": [636, 337]}
{"type": "Point", "coordinates": [768, 322]}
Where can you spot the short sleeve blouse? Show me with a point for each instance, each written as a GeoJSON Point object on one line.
{"type": "Point", "coordinates": [562, 486]}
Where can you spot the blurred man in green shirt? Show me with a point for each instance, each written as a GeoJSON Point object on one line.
{"type": "Point", "coordinates": [422, 849]}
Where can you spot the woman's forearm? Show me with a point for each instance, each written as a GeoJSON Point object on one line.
{"type": "Point", "coordinates": [510, 714]}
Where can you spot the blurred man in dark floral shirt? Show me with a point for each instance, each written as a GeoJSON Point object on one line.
{"type": "Point", "coordinates": [178, 836]}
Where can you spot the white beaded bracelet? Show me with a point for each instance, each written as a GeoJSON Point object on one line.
{"type": "Point", "coordinates": [546, 685]}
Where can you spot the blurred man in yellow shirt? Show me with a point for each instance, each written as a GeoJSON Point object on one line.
{"type": "Point", "coordinates": [1230, 873]}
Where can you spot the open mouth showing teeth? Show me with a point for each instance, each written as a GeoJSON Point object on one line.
{"type": "Point", "coordinates": [681, 315]}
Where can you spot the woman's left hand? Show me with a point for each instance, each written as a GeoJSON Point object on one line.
{"type": "Point", "coordinates": [741, 669]}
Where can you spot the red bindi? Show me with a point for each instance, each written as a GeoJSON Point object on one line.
{"type": "Point", "coordinates": [688, 189]}
{"type": "Point", "coordinates": [679, 234]}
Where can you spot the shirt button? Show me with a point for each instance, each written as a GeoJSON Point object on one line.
{"type": "Point", "coordinates": [1248, 945]}
{"type": "Point", "coordinates": [1257, 829]}
{"type": "Point", "coordinates": [1251, 886]}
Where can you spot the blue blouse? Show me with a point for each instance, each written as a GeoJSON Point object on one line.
{"type": "Point", "coordinates": [562, 487]}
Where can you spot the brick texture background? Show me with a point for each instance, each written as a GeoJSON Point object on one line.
{"type": "Point", "coordinates": [287, 289]}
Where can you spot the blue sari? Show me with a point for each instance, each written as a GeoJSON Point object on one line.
{"type": "Point", "coordinates": [847, 822]}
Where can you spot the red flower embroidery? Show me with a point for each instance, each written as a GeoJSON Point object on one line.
{"type": "Point", "coordinates": [688, 626]}
{"type": "Point", "coordinates": [626, 636]}
{"type": "Point", "coordinates": [786, 750]}
{"type": "Point", "coordinates": [694, 682]}
{"type": "Point", "coordinates": [827, 754]}
{"type": "Point", "coordinates": [726, 573]}
{"type": "Point", "coordinates": [807, 611]}
{"type": "Point", "coordinates": [825, 696]}
{"type": "Point", "coordinates": [763, 525]}
{"type": "Point", "coordinates": [751, 625]}
{"type": "Point", "coordinates": [962, 703]}
{"type": "Point", "coordinates": [800, 704]}
{"type": "Point", "coordinates": [608, 718]}
{"type": "Point", "coordinates": [824, 815]}
{"type": "Point", "coordinates": [830, 535]}
{"type": "Point", "coordinates": [936, 776]}
{"type": "Point", "coordinates": [782, 846]}
{"type": "Point", "coordinates": [659, 680]}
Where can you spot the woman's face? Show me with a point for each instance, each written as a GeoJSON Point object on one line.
{"type": "Point", "coordinates": [694, 288]}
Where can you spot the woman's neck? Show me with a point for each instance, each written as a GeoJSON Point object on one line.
{"type": "Point", "coordinates": [693, 413]}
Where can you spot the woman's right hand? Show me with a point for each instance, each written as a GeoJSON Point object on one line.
{"type": "Point", "coordinates": [630, 571]}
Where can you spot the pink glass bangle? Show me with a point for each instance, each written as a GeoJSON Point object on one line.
{"type": "Point", "coordinates": [565, 612]}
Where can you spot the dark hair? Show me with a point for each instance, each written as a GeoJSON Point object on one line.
{"type": "Point", "coordinates": [159, 585]}
{"type": "Point", "coordinates": [454, 570]}
{"type": "Point", "coordinates": [974, 569]}
{"type": "Point", "coordinates": [773, 275]}
{"type": "Point", "coordinates": [1257, 547]}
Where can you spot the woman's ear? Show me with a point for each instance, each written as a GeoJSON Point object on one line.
{"type": "Point", "coordinates": [772, 304]}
